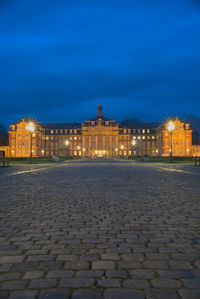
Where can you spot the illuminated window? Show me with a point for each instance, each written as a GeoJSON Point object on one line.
{"type": "Point", "coordinates": [139, 137]}
{"type": "Point", "coordinates": [148, 131]}
{"type": "Point", "coordinates": [143, 131]}
{"type": "Point", "coordinates": [47, 138]}
{"type": "Point", "coordinates": [51, 131]}
{"type": "Point", "coordinates": [143, 137]}
{"type": "Point", "coordinates": [19, 152]}
{"type": "Point", "coordinates": [153, 137]}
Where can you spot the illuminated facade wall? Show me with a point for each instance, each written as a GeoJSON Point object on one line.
{"type": "Point", "coordinates": [180, 140]}
{"type": "Point", "coordinates": [99, 137]}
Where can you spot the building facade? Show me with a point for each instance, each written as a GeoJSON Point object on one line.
{"type": "Point", "coordinates": [99, 137]}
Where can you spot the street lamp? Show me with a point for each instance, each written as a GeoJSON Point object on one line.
{"type": "Point", "coordinates": [170, 129]}
{"type": "Point", "coordinates": [67, 146]}
{"type": "Point", "coordinates": [31, 128]}
{"type": "Point", "coordinates": [133, 144]}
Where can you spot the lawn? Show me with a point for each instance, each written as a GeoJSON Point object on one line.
{"type": "Point", "coordinates": [167, 159]}
{"type": "Point", "coordinates": [35, 160]}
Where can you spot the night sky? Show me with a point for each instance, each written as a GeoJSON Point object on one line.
{"type": "Point", "coordinates": [58, 57]}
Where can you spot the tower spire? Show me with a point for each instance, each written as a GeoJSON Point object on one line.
{"type": "Point", "coordinates": [100, 108]}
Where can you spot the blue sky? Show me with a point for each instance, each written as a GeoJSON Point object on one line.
{"type": "Point", "coordinates": [58, 57]}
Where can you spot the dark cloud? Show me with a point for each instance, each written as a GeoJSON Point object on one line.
{"type": "Point", "coordinates": [57, 58]}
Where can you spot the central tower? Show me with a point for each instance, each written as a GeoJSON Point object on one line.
{"type": "Point", "coordinates": [100, 110]}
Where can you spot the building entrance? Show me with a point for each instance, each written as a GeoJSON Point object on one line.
{"type": "Point", "coordinates": [100, 154]}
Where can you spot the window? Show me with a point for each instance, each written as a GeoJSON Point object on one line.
{"type": "Point", "coordinates": [51, 131]}
{"type": "Point", "coordinates": [143, 137]}
{"type": "Point", "coordinates": [143, 131]}
{"type": "Point", "coordinates": [148, 131]}
{"type": "Point", "coordinates": [139, 137]}
{"type": "Point", "coordinates": [153, 137]}
{"type": "Point", "coordinates": [19, 152]}
{"type": "Point", "coordinates": [75, 138]}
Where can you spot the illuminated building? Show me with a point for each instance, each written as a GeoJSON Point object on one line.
{"type": "Point", "coordinates": [100, 137]}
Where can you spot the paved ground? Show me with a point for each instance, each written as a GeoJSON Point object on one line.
{"type": "Point", "coordinates": [94, 229]}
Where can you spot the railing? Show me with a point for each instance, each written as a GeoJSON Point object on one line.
{"type": "Point", "coordinates": [197, 161]}
{"type": "Point", "coordinates": [4, 162]}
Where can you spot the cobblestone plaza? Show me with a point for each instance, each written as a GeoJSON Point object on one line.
{"type": "Point", "coordinates": [109, 229]}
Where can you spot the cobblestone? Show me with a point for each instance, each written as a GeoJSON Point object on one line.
{"type": "Point", "coordinates": [26, 294]}
{"type": "Point", "coordinates": [100, 229]}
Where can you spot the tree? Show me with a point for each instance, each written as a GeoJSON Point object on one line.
{"type": "Point", "coordinates": [3, 135]}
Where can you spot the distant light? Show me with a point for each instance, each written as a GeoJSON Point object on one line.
{"type": "Point", "coordinates": [78, 147]}
{"type": "Point", "coordinates": [83, 149]}
{"type": "Point", "coordinates": [122, 146]}
{"type": "Point", "coordinates": [30, 127]}
{"type": "Point", "coordinates": [116, 149]}
{"type": "Point", "coordinates": [67, 142]}
{"type": "Point", "coordinates": [133, 142]}
{"type": "Point", "coordinates": [187, 150]}
{"type": "Point", "coordinates": [170, 126]}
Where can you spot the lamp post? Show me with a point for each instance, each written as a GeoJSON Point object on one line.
{"type": "Point", "coordinates": [170, 129]}
{"type": "Point", "coordinates": [122, 147]}
{"type": "Point", "coordinates": [31, 129]}
{"type": "Point", "coordinates": [67, 147]}
{"type": "Point", "coordinates": [133, 144]}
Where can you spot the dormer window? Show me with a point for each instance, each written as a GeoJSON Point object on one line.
{"type": "Point", "coordinates": [107, 123]}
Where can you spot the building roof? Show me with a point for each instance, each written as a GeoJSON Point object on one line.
{"type": "Point", "coordinates": [103, 118]}
{"type": "Point", "coordinates": [139, 125]}
{"type": "Point", "coordinates": [54, 126]}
